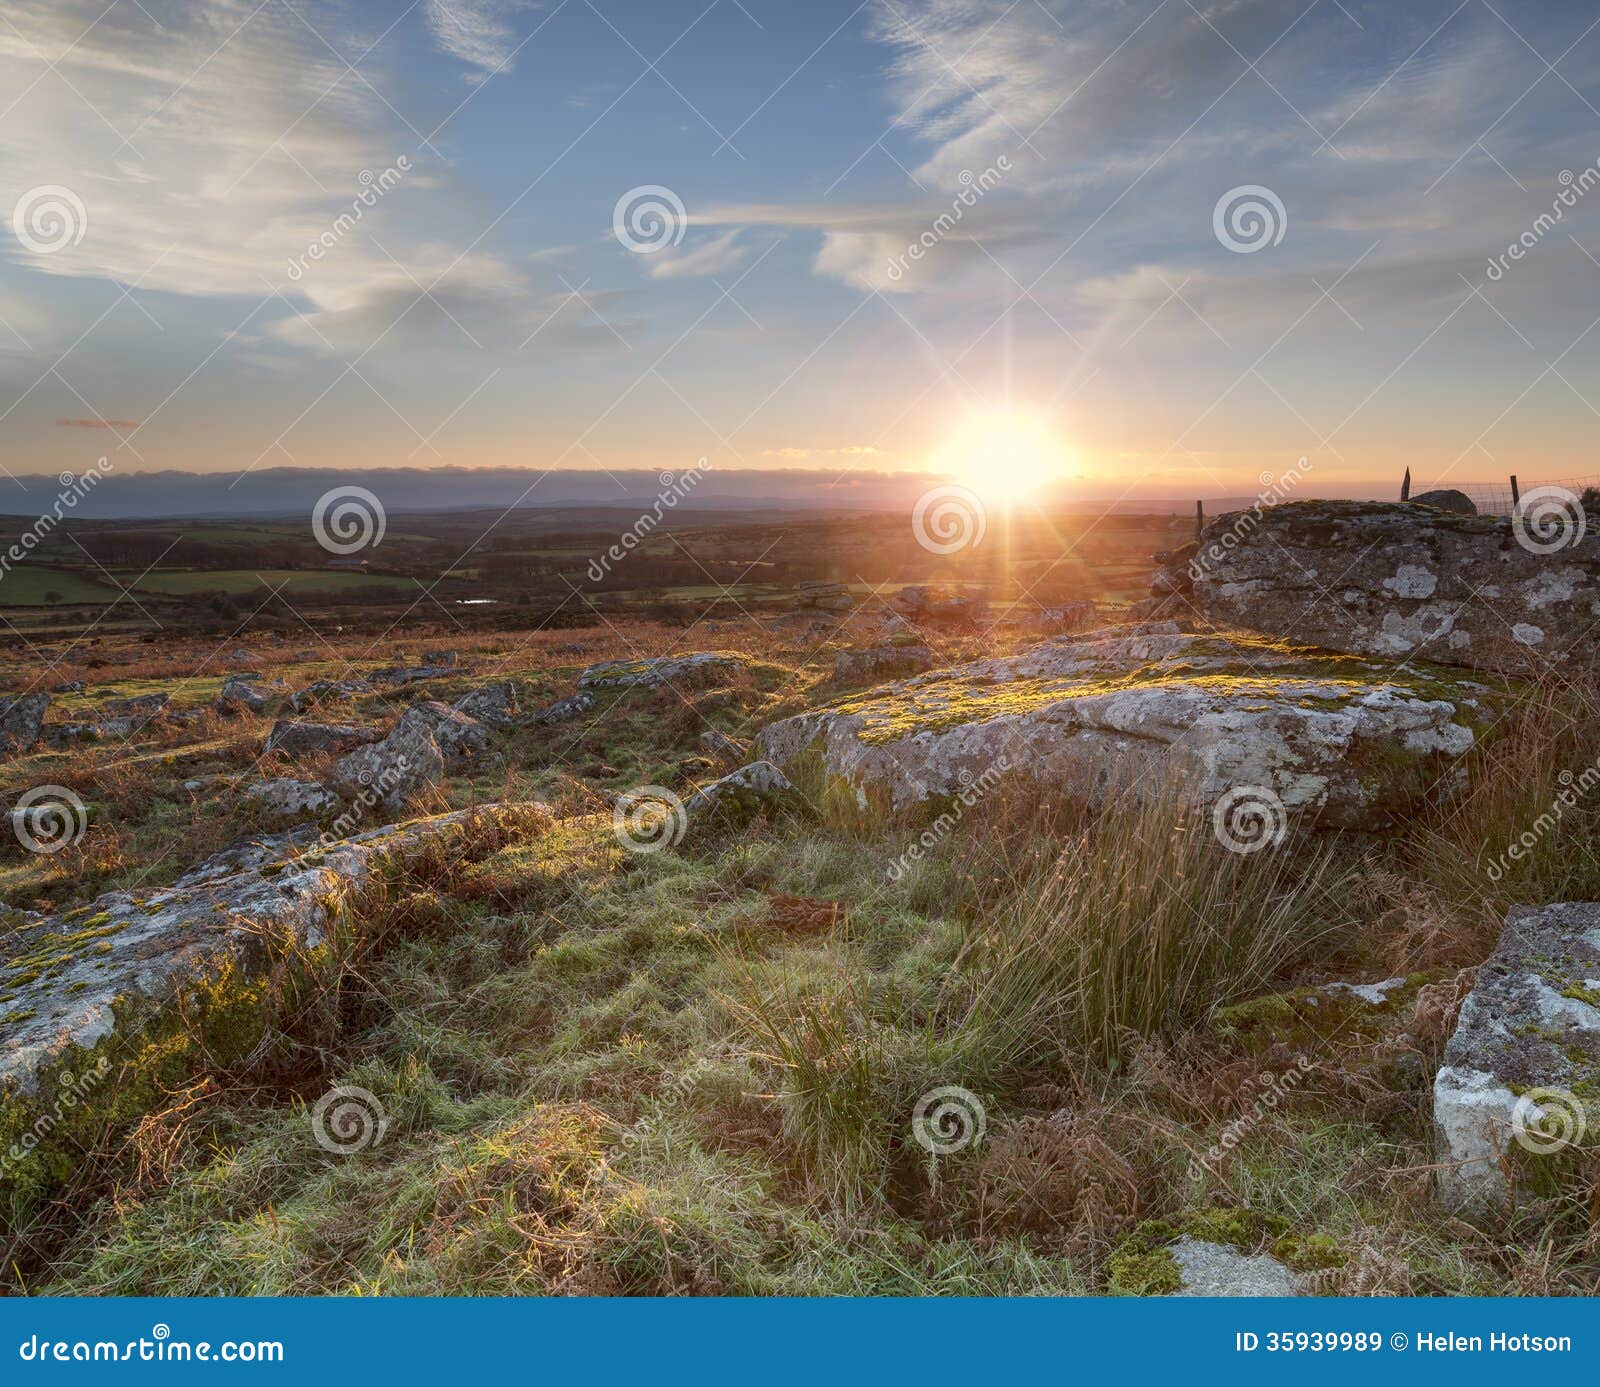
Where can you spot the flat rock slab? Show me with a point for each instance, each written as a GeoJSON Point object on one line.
{"type": "Point", "coordinates": [72, 980]}
{"type": "Point", "coordinates": [1400, 581]}
{"type": "Point", "coordinates": [1145, 708]}
{"type": "Point", "coordinates": [1521, 1074]}
{"type": "Point", "coordinates": [1218, 1269]}
{"type": "Point", "coordinates": [668, 669]}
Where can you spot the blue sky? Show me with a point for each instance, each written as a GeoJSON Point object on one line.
{"type": "Point", "coordinates": [483, 311]}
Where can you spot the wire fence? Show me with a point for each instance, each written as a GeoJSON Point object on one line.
{"type": "Point", "coordinates": [1499, 498]}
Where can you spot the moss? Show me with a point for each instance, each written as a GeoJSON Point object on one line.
{"type": "Point", "coordinates": [1309, 1251]}
{"type": "Point", "coordinates": [1307, 1018]}
{"type": "Point", "coordinates": [1143, 1264]}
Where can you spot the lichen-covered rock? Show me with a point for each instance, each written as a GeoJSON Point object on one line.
{"type": "Point", "coordinates": [390, 772]}
{"type": "Point", "coordinates": [881, 661]}
{"type": "Point", "coordinates": [140, 709]}
{"type": "Point", "coordinates": [759, 788]}
{"type": "Point", "coordinates": [1401, 581]}
{"type": "Point", "coordinates": [21, 719]}
{"type": "Point", "coordinates": [1521, 1075]}
{"type": "Point", "coordinates": [140, 982]}
{"type": "Point", "coordinates": [937, 605]}
{"type": "Point", "coordinates": [246, 692]}
{"type": "Point", "coordinates": [1446, 498]}
{"type": "Point", "coordinates": [1215, 1269]}
{"type": "Point", "coordinates": [326, 691]}
{"type": "Point", "coordinates": [564, 710]}
{"type": "Point", "coordinates": [824, 596]}
{"type": "Point", "coordinates": [494, 705]}
{"type": "Point", "coordinates": [1210, 1252]}
{"type": "Point", "coordinates": [667, 669]}
{"type": "Point", "coordinates": [1151, 710]}
{"type": "Point", "coordinates": [459, 736]}
{"type": "Point", "coordinates": [720, 745]}
{"type": "Point", "coordinates": [292, 739]}
{"type": "Point", "coordinates": [294, 798]}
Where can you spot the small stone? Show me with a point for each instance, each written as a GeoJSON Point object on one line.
{"type": "Point", "coordinates": [294, 798]}
{"type": "Point", "coordinates": [1219, 1269]}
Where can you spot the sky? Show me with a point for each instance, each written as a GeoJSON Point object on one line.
{"type": "Point", "coordinates": [1125, 247]}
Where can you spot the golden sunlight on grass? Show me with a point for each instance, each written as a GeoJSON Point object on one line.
{"type": "Point", "coordinates": [1005, 455]}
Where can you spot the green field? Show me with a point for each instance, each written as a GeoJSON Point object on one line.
{"type": "Point", "coordinates": [27, 585]}
{"type": "Point", "coordinates": [183, 582]}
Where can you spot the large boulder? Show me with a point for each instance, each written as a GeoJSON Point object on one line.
{"type": "Point", "coordinates": [1149, 709]}
{"type": "Point", "coordinates": [759, 788]}
{"type": "Point", "coordinates": [459, 736]}
{"type": "Point", "coordinates": [879, 662]}
{"type": "Point", "coordinates": [390, 772]}
{"type": "Point", "coordinates": [667, 669]}
{"type": "Point", "coordinates": [494, 705]}
{"type": "Point", "coordinates": [140, 990]}
{"type": "Point", "coordinates": [1447, 498]}
{"type": "Point", "coordinates": [21, 718]}
{"type": "Point", "coordinates": [245, 692]}
{"type": "Point", "coordinates": [294, 799]}
{"type": "Point", "coordinates": [1402, 581]}
{"type": "Point", "coordinates": [565, 709]}
{"type": "Point", "coordinates": [1520, 1081]}
{"type": "Point", "coordinates": [296, 739]}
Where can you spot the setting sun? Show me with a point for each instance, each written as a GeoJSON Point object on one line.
{"type": "Point", "coordinates": [1005, 456]}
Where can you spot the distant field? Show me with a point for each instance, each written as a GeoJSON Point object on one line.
{"type": "Point", "coordinates": [182, 583]}
{"type": "Point", "coordinates": [26, 587]}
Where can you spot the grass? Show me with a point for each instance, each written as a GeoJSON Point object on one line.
{"type": "Point", "coordinates": [27, 586]}
{"type": "Point", "coordinates": [696, 1071]}
{"type": "Point", "coordinates": [184, 582]}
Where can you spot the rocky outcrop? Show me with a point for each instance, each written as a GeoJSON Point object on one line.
{"type": "Point", "coordinates": [668, 669]}
{"type": "Point", "coordinates": [459, 737]}
{"type": "Point", "coordinates": [494, 705]}
{"type": "Point", "coordinates": [1153, 711]}
{"type": "Point", "coordinates": [326, 691]}
{"type": "Point", "coordinates": [391, 771]}
{"type": "Point", "coordinates": [1520, 1082]}
{"type": "Point", "coordinates": [245, 693]}
{"type": "Point", "coordinates": [1216, 1269]}
{"type": "Point", "coordinates": [717, 743]}
{"type": "Point", "coordinates": [825, 597]}
{"type": "Point", "coordinates": [293, 739]}
{"type": "Point", "coordinates": [1447, 498]}
{"type": "Point", "coordinates": [140, 709]}
{"type": "Point", "coordinates": [294, 799]}
{"type": "Point", "coordinates": [937, 605]}
{"type": "Point", "coordinates": [179, 976]}
{"type": "Point", "coordinates": [21, 720]}
{"type": "Point", "coordinates": [880, 662]}
{"type": "Point", "coordinates": [1401, 581]}
{"type": "Point", "coordinates": [564, 710]}
{"type": "Point", "coordinates": [759, 788]}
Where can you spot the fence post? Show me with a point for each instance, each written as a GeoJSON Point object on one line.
{"type": "Point", "coordinates": [1516, 492]}
{"type": "Point", "coordinates": [1199, 518]}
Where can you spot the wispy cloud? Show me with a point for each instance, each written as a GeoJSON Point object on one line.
{"type": "Point", "coordinates": [478, 32]}
{"type": "Point", "coordinates": [118, 424]}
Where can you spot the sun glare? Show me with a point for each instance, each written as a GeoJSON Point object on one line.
{"type": "Point", "coordinates": [1005, 456]}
